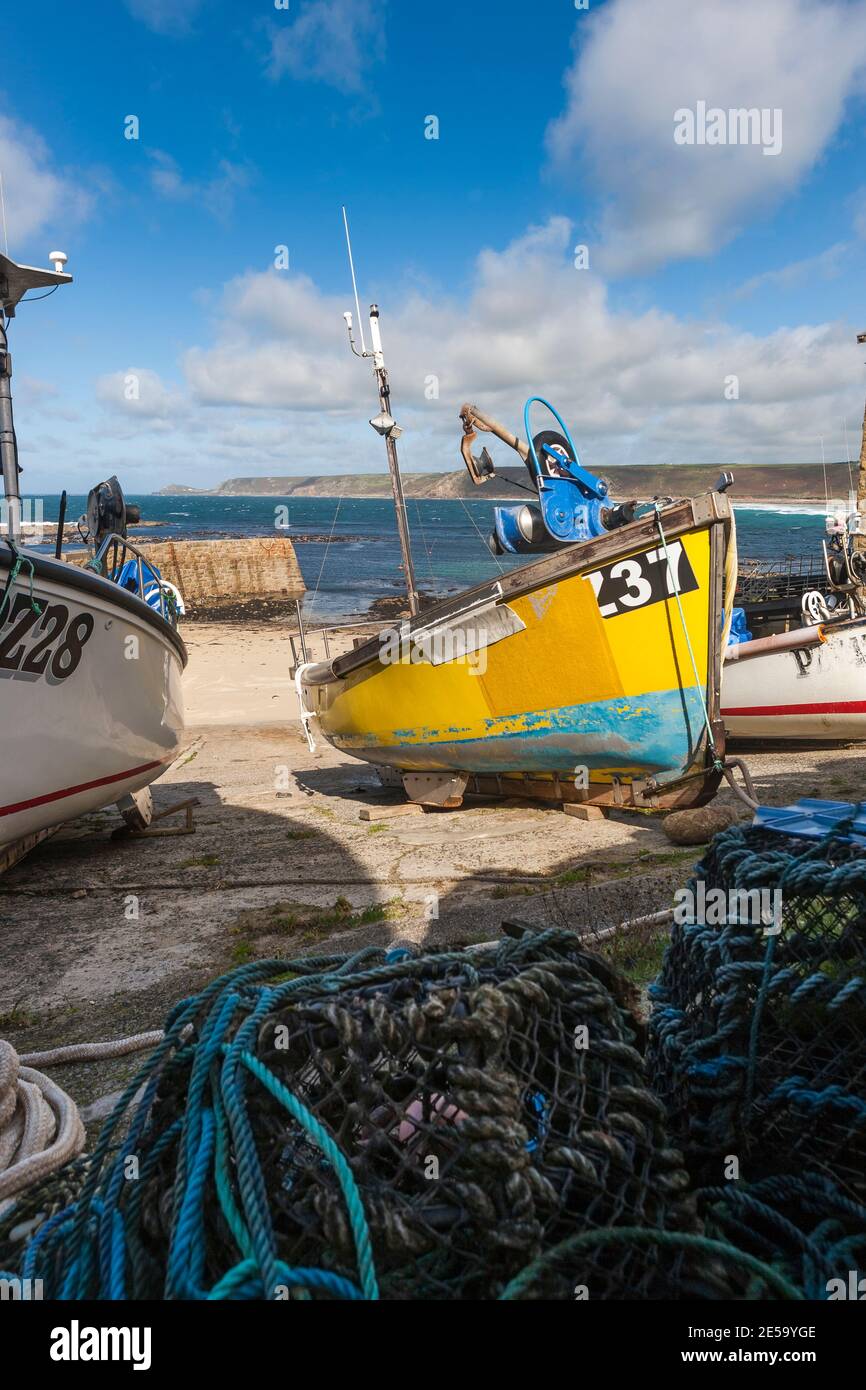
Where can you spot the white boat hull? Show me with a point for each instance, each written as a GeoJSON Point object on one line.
{"type": "Point", "coordinates": [91, 698]}
{"type": "Point", "coordinates": [816, 692]}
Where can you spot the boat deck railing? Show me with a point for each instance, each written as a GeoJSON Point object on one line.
{"type": "Point", "coordinates": [765, 581]}
{"type": "Point", "coordinates": [321, 643]}
{"type": "Point", "coordinates": [111, 558]}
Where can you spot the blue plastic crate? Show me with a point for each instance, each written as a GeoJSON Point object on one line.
{"type": "Point", "coordinates": [814, 820]}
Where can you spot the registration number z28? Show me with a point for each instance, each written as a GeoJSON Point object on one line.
{"type": "Point", "coordinates": [46, 643]}
{"type": "Point", "coordinates": [642, 579]}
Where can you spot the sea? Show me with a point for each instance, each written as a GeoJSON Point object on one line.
{"type": "Point", "coordinates": [348, 549]}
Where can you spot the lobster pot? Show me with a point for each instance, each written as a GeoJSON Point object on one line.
{"type": "Point", "coordinates": [758, 1028]}
{"type": "Point", "coordinates": [392, 1126]}
{"type": "Point", "coordinates": [805, 1230]}
{"type": "Point", "coordinates": [491, 1108]}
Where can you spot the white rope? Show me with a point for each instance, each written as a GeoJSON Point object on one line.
{"type": "Point", "coordinates": [40, 1125]}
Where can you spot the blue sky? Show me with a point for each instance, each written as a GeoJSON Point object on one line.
{"type": "Point", "coordinates": [555, 130]}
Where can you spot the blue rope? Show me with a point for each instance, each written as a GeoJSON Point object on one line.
{"type": "Point", "coordinates": [738, 1016]}
{"type": "Point", "coordinates": [92, 1249]}
{"type": "Point", "coordinates": [244, 1281]}
{"type": "Point", "coordinates": [323, 1141]}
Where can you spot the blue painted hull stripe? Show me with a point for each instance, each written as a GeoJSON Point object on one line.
{"type": "Point", "coordinates": [648, 733]}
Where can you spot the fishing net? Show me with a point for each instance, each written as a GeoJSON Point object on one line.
{"type": "Point", "coordinates": [407, 1127]}
{"type": "Point", "coordinates": [758, 1026]}
{"type": "Point", "coordinates": [810, 1231]}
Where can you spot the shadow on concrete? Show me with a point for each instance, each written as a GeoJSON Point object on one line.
{"type": "Point", "coordinates": [101, 937]}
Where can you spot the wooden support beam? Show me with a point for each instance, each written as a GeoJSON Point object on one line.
{"type": "Point", "coordinates": [582, 811]}
{"type": "Point", "coordinates": [402, 808]}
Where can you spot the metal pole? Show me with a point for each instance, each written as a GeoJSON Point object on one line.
{"type": "Point", "coordinates": [61, 522]}
{"type": "Point", "coordinates": [387, 428]}
{"type": "Point", "coordinates": [301, 630]}
{"type": "Point", "coordinates": [393, 461]}
{"type": "Point", "coordinates": [8, 446]}
{"type": "Point", "coordinates": [860, 540]}
{"type": "Point", "coordinates": [399, 498]}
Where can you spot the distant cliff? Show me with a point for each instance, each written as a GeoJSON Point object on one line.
{"type": "Point", "coordinates": [778, 482]}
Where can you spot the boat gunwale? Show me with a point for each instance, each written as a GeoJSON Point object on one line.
{"type": "Point", "coordinates": [76, 577]}
{"type": "Point", "coordinates": [810, 635]}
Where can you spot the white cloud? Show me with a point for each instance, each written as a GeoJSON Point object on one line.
{"type": "Point", "coordinates": [37, 199]}
{"type": "Point", "coordinates": [331, 41]}
{"type": "Point", "coordinates": [139, 393]}
{"type": "Point", "coordinates": [170, 17]}
{"type": "Point", "coordinates": [278, 391]}
{"type": "Point", "coordinates": [216, 194]}
{"type": "Point", "coordinates": [286, 348]}
{"type": "Point", "coordinates": [826, 265]}
{"type": "Point", "coordinates": [635, 65]}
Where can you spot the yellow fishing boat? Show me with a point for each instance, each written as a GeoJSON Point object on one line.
{"type": "Point", "coordinates": [590, 673]}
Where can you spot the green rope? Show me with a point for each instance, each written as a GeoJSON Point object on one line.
{"type": "Point", "coordinates": [698, 684]}
{"type": "Point", "coordinates": [322, 1139]}
{"type": "Point", "coordinates": [640, 1235]}
{"type": "Point", "coordinates": [13, 575]}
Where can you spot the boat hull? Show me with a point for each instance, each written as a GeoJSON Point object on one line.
{"type": "Point", "coordinates": [91, 697]}
{"type": "Point", "coordinates": [809, 693]}
{"type": "Point", "coordinates": [574, 667]}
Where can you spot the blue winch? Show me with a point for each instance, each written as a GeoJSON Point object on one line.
{"type": "Point", "coordinates": [573, 504]}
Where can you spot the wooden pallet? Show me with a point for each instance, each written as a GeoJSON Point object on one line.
{"type": "Point", "coordinates": [14, 852]}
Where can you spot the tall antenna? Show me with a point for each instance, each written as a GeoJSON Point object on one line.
{"type": "Point", "coordinates": [848, 456]}
{"type": "Point", "coordinates": [384, 424]}
{"type": "Point", "coordinates": [354, 284]}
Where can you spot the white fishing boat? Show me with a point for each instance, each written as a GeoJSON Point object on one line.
{"type": "Point", "coordinates": [90, 657]}
{"type": "Point", "coordinates": [806, 684]}
{"type": "Point", "coordinates": [801, 675]}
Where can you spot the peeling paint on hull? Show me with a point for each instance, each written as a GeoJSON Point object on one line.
{"type": "Point", "coordinates": [630, 738]}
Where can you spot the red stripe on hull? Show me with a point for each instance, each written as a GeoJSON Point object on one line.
{"type": "Point", "coordinates": [833, 707]}
{"type": "Point", "coordinates": [82, 787]}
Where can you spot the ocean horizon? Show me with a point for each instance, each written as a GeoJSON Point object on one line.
{"type": "Point", "coordinates": [348, 549]}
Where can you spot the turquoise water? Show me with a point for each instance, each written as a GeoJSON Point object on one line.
{"type": "Point", "coordinates": [362, 560]}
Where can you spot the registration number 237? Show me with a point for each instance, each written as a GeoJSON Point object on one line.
{"type": "Point", "coordinates": [642, 579]}
{"type": "Point", "coordinates": [47, 643]}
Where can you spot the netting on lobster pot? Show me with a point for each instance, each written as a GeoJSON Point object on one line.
{"type": "Point", "coordinates": [758, 1028]}
{"type": "Point", "coordinates": [804, 1226]}
{"type": "Point", "coordinates": [422, 1127]}
{"type": "Point", "coordinates": [488, 1106]}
